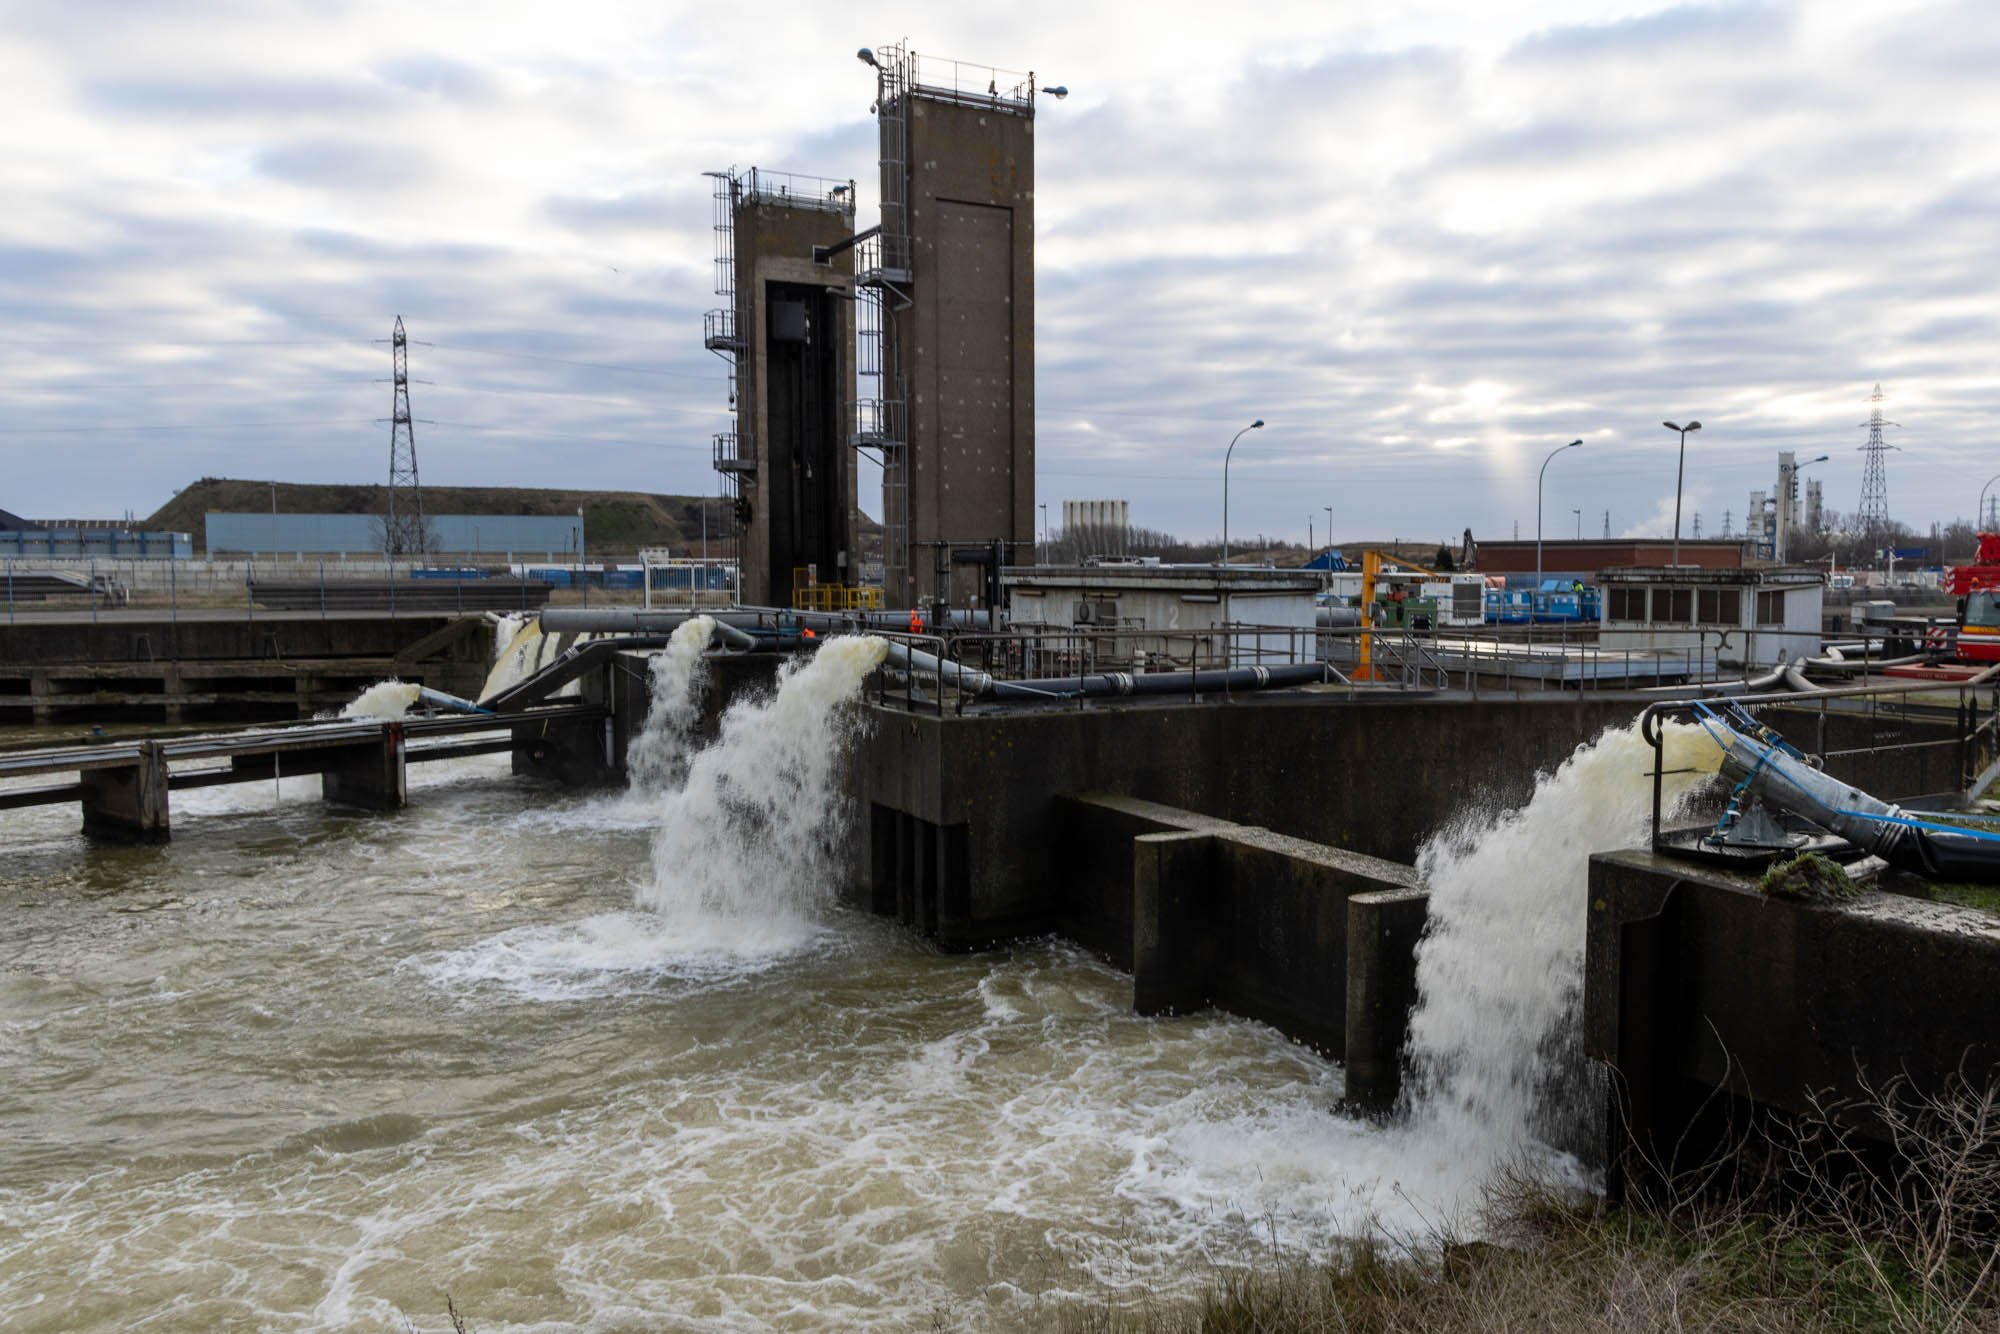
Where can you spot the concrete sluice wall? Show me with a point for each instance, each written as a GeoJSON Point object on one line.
{"type": "Point", "coordinates": [1715, 1005]}
{"type": "Point", "coordinates": [1373, 778]}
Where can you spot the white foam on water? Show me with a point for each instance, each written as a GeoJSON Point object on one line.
{"type": "Point", "coordinates": [606, 955]}
{"type": "Point", "coordinates": [741, 852]}
{"type": "Point", "coordinates": [1493, 1043]}
{"type": "Point", "coordinates": [658, 758]}
{"type": "Point", "coordinates": [386, 700]}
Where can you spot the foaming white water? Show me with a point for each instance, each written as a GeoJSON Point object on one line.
{"type": "Point", "coordinates": [385, 700]}
{"type": "Point", "coordinates": [658, 757]}
{"type": "Point", "coordinates": [740, 853]}
{"type": "Point", "coordinates": [1500, 967]}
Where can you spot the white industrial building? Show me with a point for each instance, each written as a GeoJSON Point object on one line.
{"type": "Point", "coordinates": [1755, 618]}
{"type": "Point", "coordinates": [1149, 616]}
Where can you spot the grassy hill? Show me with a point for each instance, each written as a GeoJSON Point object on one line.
{"type": "Point", "coordinates": [613, 521]}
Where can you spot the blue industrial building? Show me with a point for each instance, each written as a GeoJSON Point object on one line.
{"type": "Point", "coordinates": [510, 537]}
{"type": "Point", "coordinates": [39, 541]}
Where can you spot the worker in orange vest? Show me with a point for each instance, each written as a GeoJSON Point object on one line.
{"type": "Point", "coordinates": [916, 621]}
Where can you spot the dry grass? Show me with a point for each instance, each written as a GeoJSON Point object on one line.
{"type": "Point", "coordinates": [1835, 1235]}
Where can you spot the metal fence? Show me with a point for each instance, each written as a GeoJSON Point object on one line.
{"type": "Point", "coordinates": [98, 586]}
{"type": "Point", "coordinates": [1474, 662]}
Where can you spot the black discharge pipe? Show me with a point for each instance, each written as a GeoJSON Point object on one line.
{"type": "Point", "coordinates": [633, 620]}
{"type": "Point", "coordinates": [1162, 683]}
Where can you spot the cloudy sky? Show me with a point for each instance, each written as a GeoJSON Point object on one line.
{"type": "Point", "coordinates": [1427, 242]}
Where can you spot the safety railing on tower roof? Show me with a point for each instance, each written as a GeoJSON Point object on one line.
{"type": "Point", "coordinates": [971, 84]}
{"type": "Point", "coordinates": [784, 187]}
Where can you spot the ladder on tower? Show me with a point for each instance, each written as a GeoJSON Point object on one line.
{"type": "Point", "coordinates": [883, 271]}
{"type": "Point", "coordinates": [725, 332]}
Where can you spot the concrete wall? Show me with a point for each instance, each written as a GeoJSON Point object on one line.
{"type": "Point", "coordinates": [967, 343]}
{"type": "Point", "coordinates": [1374, 778]}
{"type": "Point", "coordinates": [127, 638]}
{"type": "Point", "coordinates": [1705, 996]}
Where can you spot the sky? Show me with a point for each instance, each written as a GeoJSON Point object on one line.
{"type": "Point", "coordinates": [1427, 243]}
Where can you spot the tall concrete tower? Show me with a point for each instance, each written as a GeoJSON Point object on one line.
{"type": "Point", "coordinates": [947, 319]}
{"type": "Point", "coordinates": [787, 331]}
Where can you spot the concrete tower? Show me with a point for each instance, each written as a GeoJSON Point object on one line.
{"type": "Point", "coordinates": [949, 288]}
{"type": "Point", "coordinates": [787, 331]}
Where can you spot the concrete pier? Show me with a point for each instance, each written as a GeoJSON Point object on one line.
{"type": "Point", "coordinates": [371, 775]}
{"type": "Point", "coordinates": [1223, 915]}
{"type": "Point", "coordinates": [127, 803]}
{"type": "Point", "coordinates": [1383, 927]}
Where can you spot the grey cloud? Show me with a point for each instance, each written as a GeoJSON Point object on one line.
{"type": "Point", "coordinates": [637, 209]}
{"type": "Point", "coordinates": [233, 96]}
{"type": "Point", "coordinates": [437, 76]}
{"type": "Point", "coordinates": [1679, 31]}
{"type": "Point", "coordinates": [343, 164]}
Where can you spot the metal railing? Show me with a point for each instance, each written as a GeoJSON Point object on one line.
{"type": "Point", "coordinates": [1472, 662]}
{"type": "Point", "coordinates": [835, 597]}
{"type": "Point", "coordinates": [758, 185]}
{"type": "Point", "coordinates": [970, 84]}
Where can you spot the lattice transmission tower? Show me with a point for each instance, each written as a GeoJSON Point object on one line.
{"type": "Point", "coordinates": [1874, 510]}
{"type": "Point", "coordinates": [403, 535]}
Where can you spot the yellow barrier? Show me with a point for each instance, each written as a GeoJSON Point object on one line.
{"type": "Point", "coordinates": [836, 597]}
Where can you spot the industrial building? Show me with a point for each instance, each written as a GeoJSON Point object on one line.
{"type": "Point", "coordinates": [23, 540]}
{"type": "Point", "coordinates": [1587, 559]}
{"type": "Point", "coordinates": [1756, 618]}
{"type": "Point", "coordinates": [1773, 518]}
{"type": "Point", "coordinates": [1148, 616]}
{"type": "Point", "coordinates": [509, 537]}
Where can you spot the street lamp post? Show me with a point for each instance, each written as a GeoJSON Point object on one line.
{"type": "Point", "coordinates": [1225, 484]}
{"type": "Point", "coordinates": [1538, 522]}
{"type": "Point", "coordinates": [1979, 519]}
{"type": "Point", "coordinates": [1782, 546]}
{"type": "Point", "coordinates": [1680, 470]}
{"type": "Point", "coordinates": [1579, 524]}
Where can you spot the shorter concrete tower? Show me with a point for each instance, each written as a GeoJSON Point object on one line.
{"type": "Point", "coordinates": [787, 330]}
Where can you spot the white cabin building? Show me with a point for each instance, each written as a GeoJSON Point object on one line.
{"type": "Point", "coordinates": [1749, 618]}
